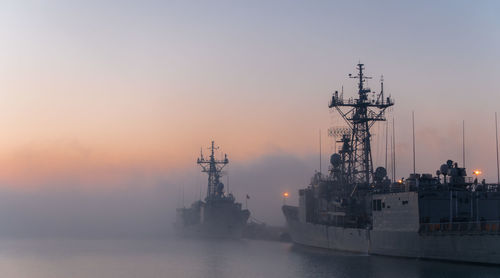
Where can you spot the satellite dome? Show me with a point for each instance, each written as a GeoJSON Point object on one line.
{"type": "Point", "coordinates": [335, 159]}
{"type": "Point", "coordinates": [380, 173]}
{"type": "Point", "coordinates": [444, 169]}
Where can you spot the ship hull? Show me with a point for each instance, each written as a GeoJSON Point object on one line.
{"type": "Point", "coordinates": [210, 231]}
{"type": "Point", "coordinates": [322, 236]}
{"type": "Point", "coordinates": [463, 248]}
{"type": "Point", "coordinates": [479, 248]}
{"type": "Point", "coordinates": [222, 219]}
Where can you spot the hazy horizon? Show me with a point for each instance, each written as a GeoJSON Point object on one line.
{"type": "Point", "coordinates": [104, 106]}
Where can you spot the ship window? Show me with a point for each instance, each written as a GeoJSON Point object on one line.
{"type": "Point", "coordinates": [383, 205]}
{"type": "Point", "coordinates": [405, 202]}
{"type": "Point", "coordinates": [377, 205]}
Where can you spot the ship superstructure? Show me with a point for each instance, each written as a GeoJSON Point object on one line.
{"type": "Point", "coordinates": [219, 215]}
{"type": "Point", "coordinates": [448, 216]}
{"type": "Point", "coordinates": [360, 114]}
{"type": "Point", "coordinates": [213, 167]}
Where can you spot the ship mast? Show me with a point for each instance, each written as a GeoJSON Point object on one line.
{"type": "Point", "coordinates": [213, 167]}
{"type": "Point", "coordinates": [360, 114]}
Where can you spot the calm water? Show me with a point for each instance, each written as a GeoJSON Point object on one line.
{"type": "Point", "coordinates": [197, 258]}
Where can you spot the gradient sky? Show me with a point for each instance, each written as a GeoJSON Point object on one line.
{"type": "Point", "coordinates": [103, 94]}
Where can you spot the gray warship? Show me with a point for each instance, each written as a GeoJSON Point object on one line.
{"type": "Point", "coordinates": [219, 215]}
{"type": "Point", "coordinates": [446, 216]}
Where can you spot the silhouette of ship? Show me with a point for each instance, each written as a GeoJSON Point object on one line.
{"type": "Point", "coordinates": [219, 215]}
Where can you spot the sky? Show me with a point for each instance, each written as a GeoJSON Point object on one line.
{"type": "Point", "coordinates": [102, 103]}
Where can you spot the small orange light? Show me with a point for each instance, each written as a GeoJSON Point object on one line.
{"type": "Point", "coordinates": [285, 194]}
{"type": "Point", "coordinates": [477, 172]}
{"type": "Point", "coordinates": [400, 181]}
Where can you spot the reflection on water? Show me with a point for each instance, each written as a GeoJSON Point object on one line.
{"type": "Point", "coordinates": [202, 258]}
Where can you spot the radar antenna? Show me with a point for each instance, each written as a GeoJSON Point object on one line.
{"type": "Point", "coordinates": [360, 114]}
{"type": "Point", "coordinates": [213, 167]}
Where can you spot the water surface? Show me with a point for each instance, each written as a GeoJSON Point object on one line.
{"type": "Point", "coordinates": [202, 258]}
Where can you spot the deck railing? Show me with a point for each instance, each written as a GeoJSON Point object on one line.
{"type": "Point", "coordinates": [482, 227]}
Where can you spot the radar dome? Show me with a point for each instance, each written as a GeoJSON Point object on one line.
{"type": "Point", "coordinates": [380, 173]}
{"type": "Point", "coordinates": [335, 159]}
{"type": "Point", "coordinates": [444, 169]}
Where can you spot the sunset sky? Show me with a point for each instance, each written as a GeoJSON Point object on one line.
{"type": "Point", "coordinates": [103, 94]}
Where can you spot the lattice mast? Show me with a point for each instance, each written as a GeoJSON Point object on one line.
{"type": "Point", "coordinates": [360, 114]}
{"type": "Point", "coordinates": [213, 167]}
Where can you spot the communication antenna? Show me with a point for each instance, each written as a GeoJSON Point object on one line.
{"type": "Point", "coordinates": [463, 142]}
{"type": "Point", "coordinates": [496, 136]}
{"type": "Point", "coordinates": [339, 131]}
{"type": "Point", "coordinates": [393, 150]}
{"type": "Point", "coordinates": [201, 157]}
{"type": "Point", "coordinates": [320, 150]}
{"type": "Point", "coordinates": [386, 123]}
{"type": "Point", "coordinates": [392, 153]}
{"type": "Point", "coordinates": [382, 86]}
{"type": "Point", "coordinates": [386, 133]}
{"type": "Point", "coordinates": [413, 128]}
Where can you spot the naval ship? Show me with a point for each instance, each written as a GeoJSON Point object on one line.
{"type": "Point", "coordinates": [446, 216]}
{"type": "Point", "coordinates": [219, 215]}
